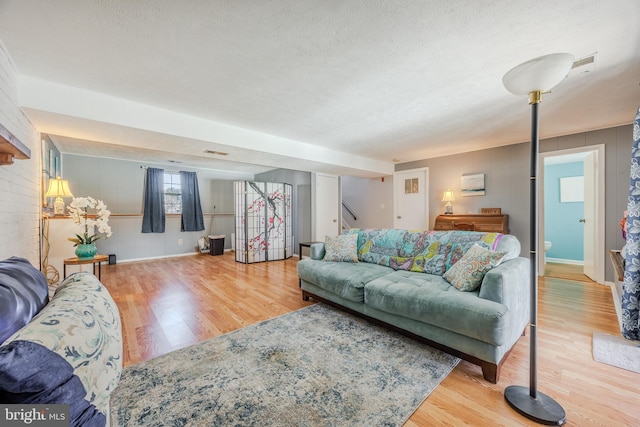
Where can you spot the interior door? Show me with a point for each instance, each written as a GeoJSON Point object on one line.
{"type": "Point", "coordinates": [326, 206]}
{"type": "Point", "coordinates": [411, 201]}
{"type": "Point", "coordinates": [589, 219]}
{"type": "Point", "coordinates": [593, 161]}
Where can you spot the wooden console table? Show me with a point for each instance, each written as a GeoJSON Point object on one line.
{"type": "Point", "coordinates": [97, 259]}
{"type": "Point", "coordinates": [479, 222]}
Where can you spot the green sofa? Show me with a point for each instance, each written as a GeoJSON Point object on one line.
{"type": "Point", "coordinates": [397, 281]}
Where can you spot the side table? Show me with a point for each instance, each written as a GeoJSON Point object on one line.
{"type": "Point", "coordinates": [97, 259]}
{"type": "Point", "coordinates": [304, 245]}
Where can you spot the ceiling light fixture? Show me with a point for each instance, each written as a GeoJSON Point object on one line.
{"type": "Point", "coordinates": [534, 78]}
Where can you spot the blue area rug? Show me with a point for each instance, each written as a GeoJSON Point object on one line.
{"type": "Point", "coordinates": [316, 366]}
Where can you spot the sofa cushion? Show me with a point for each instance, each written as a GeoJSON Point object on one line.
{"type": "Point", "coordinates": [343, 248]}
{"type": "Point", "coordinates": [81, 326]}
{"type": "Point", "coordinates": [468, 272]}
{"type": "Point", "coordinates": [23, 293]}
{"type": "Point", "coordinates": [32, 374]}
{"type": "Point", "coordinates": [434, 252]}
{"type": "Point", "coordinates": [379, 246]}
{"type": "Point", "coordinates": [344, 279]}
{"type": "Point", "coordinates": [430, 299]}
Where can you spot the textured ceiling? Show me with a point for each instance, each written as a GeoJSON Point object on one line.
{"type": "Point", "coordinates": [344, 87]}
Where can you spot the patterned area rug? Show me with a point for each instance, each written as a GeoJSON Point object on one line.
{"type": "Point", "coordinates": [616, 351]}
{"type": "Point", "coordinates": [316, 366]}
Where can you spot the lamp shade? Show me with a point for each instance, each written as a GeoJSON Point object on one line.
{"type": "Point", "coordinates": [538, 74]}
{"type": "Point", "coordinates": [448, 196]}
{"type": "Point", "coordinates": [58, 188]}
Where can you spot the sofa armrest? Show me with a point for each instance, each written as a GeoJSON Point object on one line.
{"type": "Point", "coordinates": [509, 284]}
{"type": "Point", "coordinates": [316, 251]}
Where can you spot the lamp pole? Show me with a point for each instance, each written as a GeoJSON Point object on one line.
{"type": "Point", "coordinates": [534, 101]}
{"type": "Point", "coordinates": [533, 78]}
{"type": "Point", "coordinates": [529, 402]}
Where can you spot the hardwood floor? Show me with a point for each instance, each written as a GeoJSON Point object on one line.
{"type": "Point", "coordinates": [170, 303]}
{"type": "Point", "coordinates": [565, 271]}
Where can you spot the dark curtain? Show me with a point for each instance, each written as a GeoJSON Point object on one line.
{"type": "Point", "coordinates": [631, 283]}
{"type": "Point", "coordinates": [153, 218]}
{"type": "Point", "coordinates": [192, 219]}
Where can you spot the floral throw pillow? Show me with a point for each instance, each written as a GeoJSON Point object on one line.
{"type": "Point", "coordinates": [343, 248]}
{"type": "Point", "coordinates": [467, 274]}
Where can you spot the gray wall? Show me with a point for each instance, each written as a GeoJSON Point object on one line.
{"type": "Point", "coordinates": [506, 172]}
{"type": "Point", "coordinates": [301, 208]}
{"type": "Point", "coordinates": [120, 184]}
{"type": "Point", "coordinates": [373, 211]}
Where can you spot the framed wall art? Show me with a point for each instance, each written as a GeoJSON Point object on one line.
{"type": "Point", "coordinates": [472, 185]}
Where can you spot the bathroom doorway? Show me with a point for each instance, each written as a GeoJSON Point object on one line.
{"type": "Point", "coordinates": [573, 205]}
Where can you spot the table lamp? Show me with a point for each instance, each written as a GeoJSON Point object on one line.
{"type": "Point", "coordinates": [448, 197]}
{"type": "Point", "coordinates": [58, 188]}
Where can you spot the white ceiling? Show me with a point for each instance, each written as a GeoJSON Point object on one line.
{"type": "Point", "coordinates": [345, 87]}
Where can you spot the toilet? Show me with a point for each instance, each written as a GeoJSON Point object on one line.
{"type": "Point", "coordinates": [547, 246]}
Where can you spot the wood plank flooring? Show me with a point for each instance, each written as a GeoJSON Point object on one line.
{"type": "Point", "coordinates": [170, 303]}
{"type": "Point", "coordinates": [566, 271]}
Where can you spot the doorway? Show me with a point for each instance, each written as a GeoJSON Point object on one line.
{"type": "Point", "coordinates": [587, 188]}
{"type": "Point", "coordinates": [411, 199]}
{"type": "Point", "coordinates": [325, 206]}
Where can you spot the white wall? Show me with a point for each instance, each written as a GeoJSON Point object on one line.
{"type": "Point", "coordinates": [20, 207]}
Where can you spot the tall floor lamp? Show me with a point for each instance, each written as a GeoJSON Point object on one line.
{"type": "Point", "coordinates": [533, 78]}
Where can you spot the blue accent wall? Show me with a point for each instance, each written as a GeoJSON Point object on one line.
{"type": "Point", "coordinates": [562, 226]}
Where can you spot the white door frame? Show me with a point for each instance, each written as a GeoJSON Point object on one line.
{"type": "Point", "coordinates": [600, 205]}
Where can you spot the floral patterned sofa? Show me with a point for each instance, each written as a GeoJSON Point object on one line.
{"type": "Point", "coordinates": [64, 351]}
{"type": "Point", "coordinates": [464, 292]}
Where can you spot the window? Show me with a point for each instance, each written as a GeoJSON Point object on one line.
{"type": "Point", "coordinates": [172, 194]}
{"type": "Point", "coordinates": [411, 186]}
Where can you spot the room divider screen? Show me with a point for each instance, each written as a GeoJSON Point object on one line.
{"type": "Point", "coordinates": [263, 221]}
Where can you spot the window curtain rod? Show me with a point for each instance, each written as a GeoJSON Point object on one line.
{"type": "Point", "coordinates": [167, 170]}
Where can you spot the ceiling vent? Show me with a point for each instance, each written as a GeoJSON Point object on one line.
{"type": "Point", "coordinates": [584, 61]}
{"type": "Point", "coordinates": [219, 153]}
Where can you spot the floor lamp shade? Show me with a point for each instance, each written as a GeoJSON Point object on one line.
{"type": "Point", "coordinates": [534, 78]}
{"type": "Point", "coordinates": [538, 74]}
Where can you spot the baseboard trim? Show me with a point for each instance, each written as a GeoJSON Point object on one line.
{"type": "Point", "coordinates": [122, 261]}
{"type": "Point", "coordinates": [565, 261]}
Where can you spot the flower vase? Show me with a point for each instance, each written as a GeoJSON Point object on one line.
{"type": "Point", "coordinates": [86, 251]}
